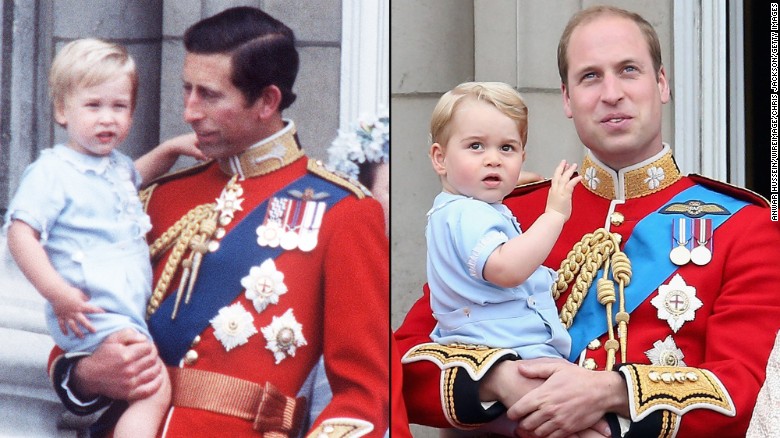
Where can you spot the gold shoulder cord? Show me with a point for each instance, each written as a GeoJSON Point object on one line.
{"type": "Point", "coordinates": [594, 251]}
{"type": "Point", "coordinates": [190, 231]}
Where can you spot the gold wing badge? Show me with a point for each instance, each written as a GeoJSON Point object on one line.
{"type": "Point", "coordinates": [693, 209]}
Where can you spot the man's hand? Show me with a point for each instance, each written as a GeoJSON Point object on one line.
{"type": "Point", "coordinates": [124, 367]}
{"type": "Point", "coordinates": [571, 399]}
{"type": "Point", "coordinates": [504, 383]}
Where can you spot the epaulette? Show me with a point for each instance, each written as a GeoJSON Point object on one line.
{"type": "Point", "coordinates": [525, 189]}
{"type": "Point", "coordinates": [318, 168]}
{"type": "Point", "coordinates": [731, 190]}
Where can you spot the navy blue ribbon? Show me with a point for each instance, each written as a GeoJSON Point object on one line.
{"type": "Point", "coordinates": [219, 278]}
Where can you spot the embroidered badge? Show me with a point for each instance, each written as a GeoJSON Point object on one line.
{"type": "Point", "coordinates": [693, 209]}
{"type": "Point", "coordinates": [591, 178]}
{"type": "Point", "coordinates": [666, 353]}
{"type": "Point", "coordinates": [233, 326]}
{"type": "Point", "coordinates": [284, 335]}
{"type": "Point", "coordinates": [654, 177]}
{"type": "Point", "coordinates": [676, 302]}
{"type": "Point", "coordinates": [264, 284]}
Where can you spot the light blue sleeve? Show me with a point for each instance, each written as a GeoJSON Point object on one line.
{"type": "Point", "coordinates": [477, 229]}
{"type": "Point", "coordinates": [40, 198]}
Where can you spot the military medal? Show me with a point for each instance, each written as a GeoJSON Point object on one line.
{"type": "Point", "coordinates": [310, 226]}
{"type": "Point", "coordinates": [271, 231]}
{"type": "Point", "coordinates": [289, 239]}
{"type": "Point", "coordinates": [702, 254]}
{"type": "Point", "coordinates": [676, 302]}
{"type": "Point", "coordinates": [293, 223]}
{"type": "Point", "coordinates": [680, 255]}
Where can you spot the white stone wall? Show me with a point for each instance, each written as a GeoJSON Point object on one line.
{"type": "Point", "coordinates": [437, 44]}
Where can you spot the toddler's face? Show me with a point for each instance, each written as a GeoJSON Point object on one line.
{"type": "Point", "coordinates": [483, 155]}
{"type": "Point", "coordinates": [98, 118]}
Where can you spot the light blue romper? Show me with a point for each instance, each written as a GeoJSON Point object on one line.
{"type": "Point", "coordinates": [461, 233]}
{"type": "Point", "coordinates": [93, 228]}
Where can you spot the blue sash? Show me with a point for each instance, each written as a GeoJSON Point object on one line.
{"type": "Point", "coordinates": [650, 265]}
{"type": "Point", "coordinates": [219, 278]}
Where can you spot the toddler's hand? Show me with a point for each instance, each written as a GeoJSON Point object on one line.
{"type": "Point", "coordinates": [70, 310]}
{"type": "Point", "coordinates": [559, 197]}
{"type": "Point", "coordinates": [185, 144]}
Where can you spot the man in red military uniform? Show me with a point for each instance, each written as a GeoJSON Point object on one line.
{"type": "Point", "coordinates": [667, 282]}
{"type": "Point", "coordinates": [259, 259]}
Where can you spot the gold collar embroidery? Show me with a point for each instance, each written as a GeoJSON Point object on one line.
{"type": "Point", "coordinates": [642, 179]}
{"type": "Point", "coordinates": [266, 156]}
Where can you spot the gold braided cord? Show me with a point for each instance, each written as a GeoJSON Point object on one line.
{"type": "Point", "coordinates": [145, 195]}
{"type": "Point", "coordinates": [179, 235]}
{"type": "Point", "coordinates": [595, 251]}
{"type": "Point", "coordinates": [167, 238]}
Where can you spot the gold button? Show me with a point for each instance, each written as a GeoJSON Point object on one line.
{"type": "Point", "coordinates": [594, 344]}
{"type": "Point", "coordinates": [616, 218]}
{"type": "Point", "coordinates": [195, 341]}
{"type": "Point", "coordinates": [590, 364]}
{"type": "Point", "coordinates": [191, 357]}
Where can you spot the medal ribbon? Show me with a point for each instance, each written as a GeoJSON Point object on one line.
{"type": "Point", "coordinates": [650, 265]}
{"type": "Point", "coordinates": [219, 281]}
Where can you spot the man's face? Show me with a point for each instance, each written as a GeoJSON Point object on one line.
{"type": "Point", "coordinates": [216, 109]}
{"type": "Point", "coordinates": [614, 96]}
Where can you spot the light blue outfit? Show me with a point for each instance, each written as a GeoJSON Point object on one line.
{"type": "Point", "coordinates": [461, 233]}
{"type": "Point", "coordinates": [93, 228]}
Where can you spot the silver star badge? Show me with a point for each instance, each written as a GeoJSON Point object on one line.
{"type": "Point", "coordinates": [666, 353]}
{"type": "Point", "coordinates": [676, 302]}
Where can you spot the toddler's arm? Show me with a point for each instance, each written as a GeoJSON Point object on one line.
{"type": "Point", "coordinates": [514, 261]}
{"type": "Point", "coordinates": [160, 159]}
{"type": "Point", "coordinates": [70, 304]}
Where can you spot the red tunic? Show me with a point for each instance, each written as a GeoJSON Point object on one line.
{"type": "Point", "coordinates": [731, 335]}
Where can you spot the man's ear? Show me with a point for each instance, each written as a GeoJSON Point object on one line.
{"type": "Point", "coordinates": [267, 105]}
{"type": "Point", "coordinates": [566, 101]}
{"type": "Point", "coordinates": [437, 159]}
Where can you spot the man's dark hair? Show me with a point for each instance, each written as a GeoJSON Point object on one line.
{"type": "Point", "coordinates": [262, 50]}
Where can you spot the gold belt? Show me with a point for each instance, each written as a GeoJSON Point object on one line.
{"type": "Point", "coordinates": [271, 412]}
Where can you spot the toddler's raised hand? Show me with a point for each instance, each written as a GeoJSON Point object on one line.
{"type": "Point", "coordinates": [559, 197]}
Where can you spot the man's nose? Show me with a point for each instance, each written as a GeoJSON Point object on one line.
{"type": "Point", "coordinates": [612, 89]}
{"type": "Point", "coordinates": [192, 110]}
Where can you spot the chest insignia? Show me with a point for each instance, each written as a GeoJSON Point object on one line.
{"type": "Point", "coordinates": [284, 336]}
{"type": "Point", "coordinates": [229, 202]}
{"type": "Point", "coordinates": [264, 284]}
{"type": "Point", "coordinates": [693, 209]}
{"type": "Point", "coordinates": [691, 241]}
{"type": "Point", "coordinates": [233, 326]}
{"type": "Point", "coordinates": [666, 353]}
{"type": "Point", "coordinates": [293, 222]}
{"type": "Point", "coordinates": [676, 302]}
